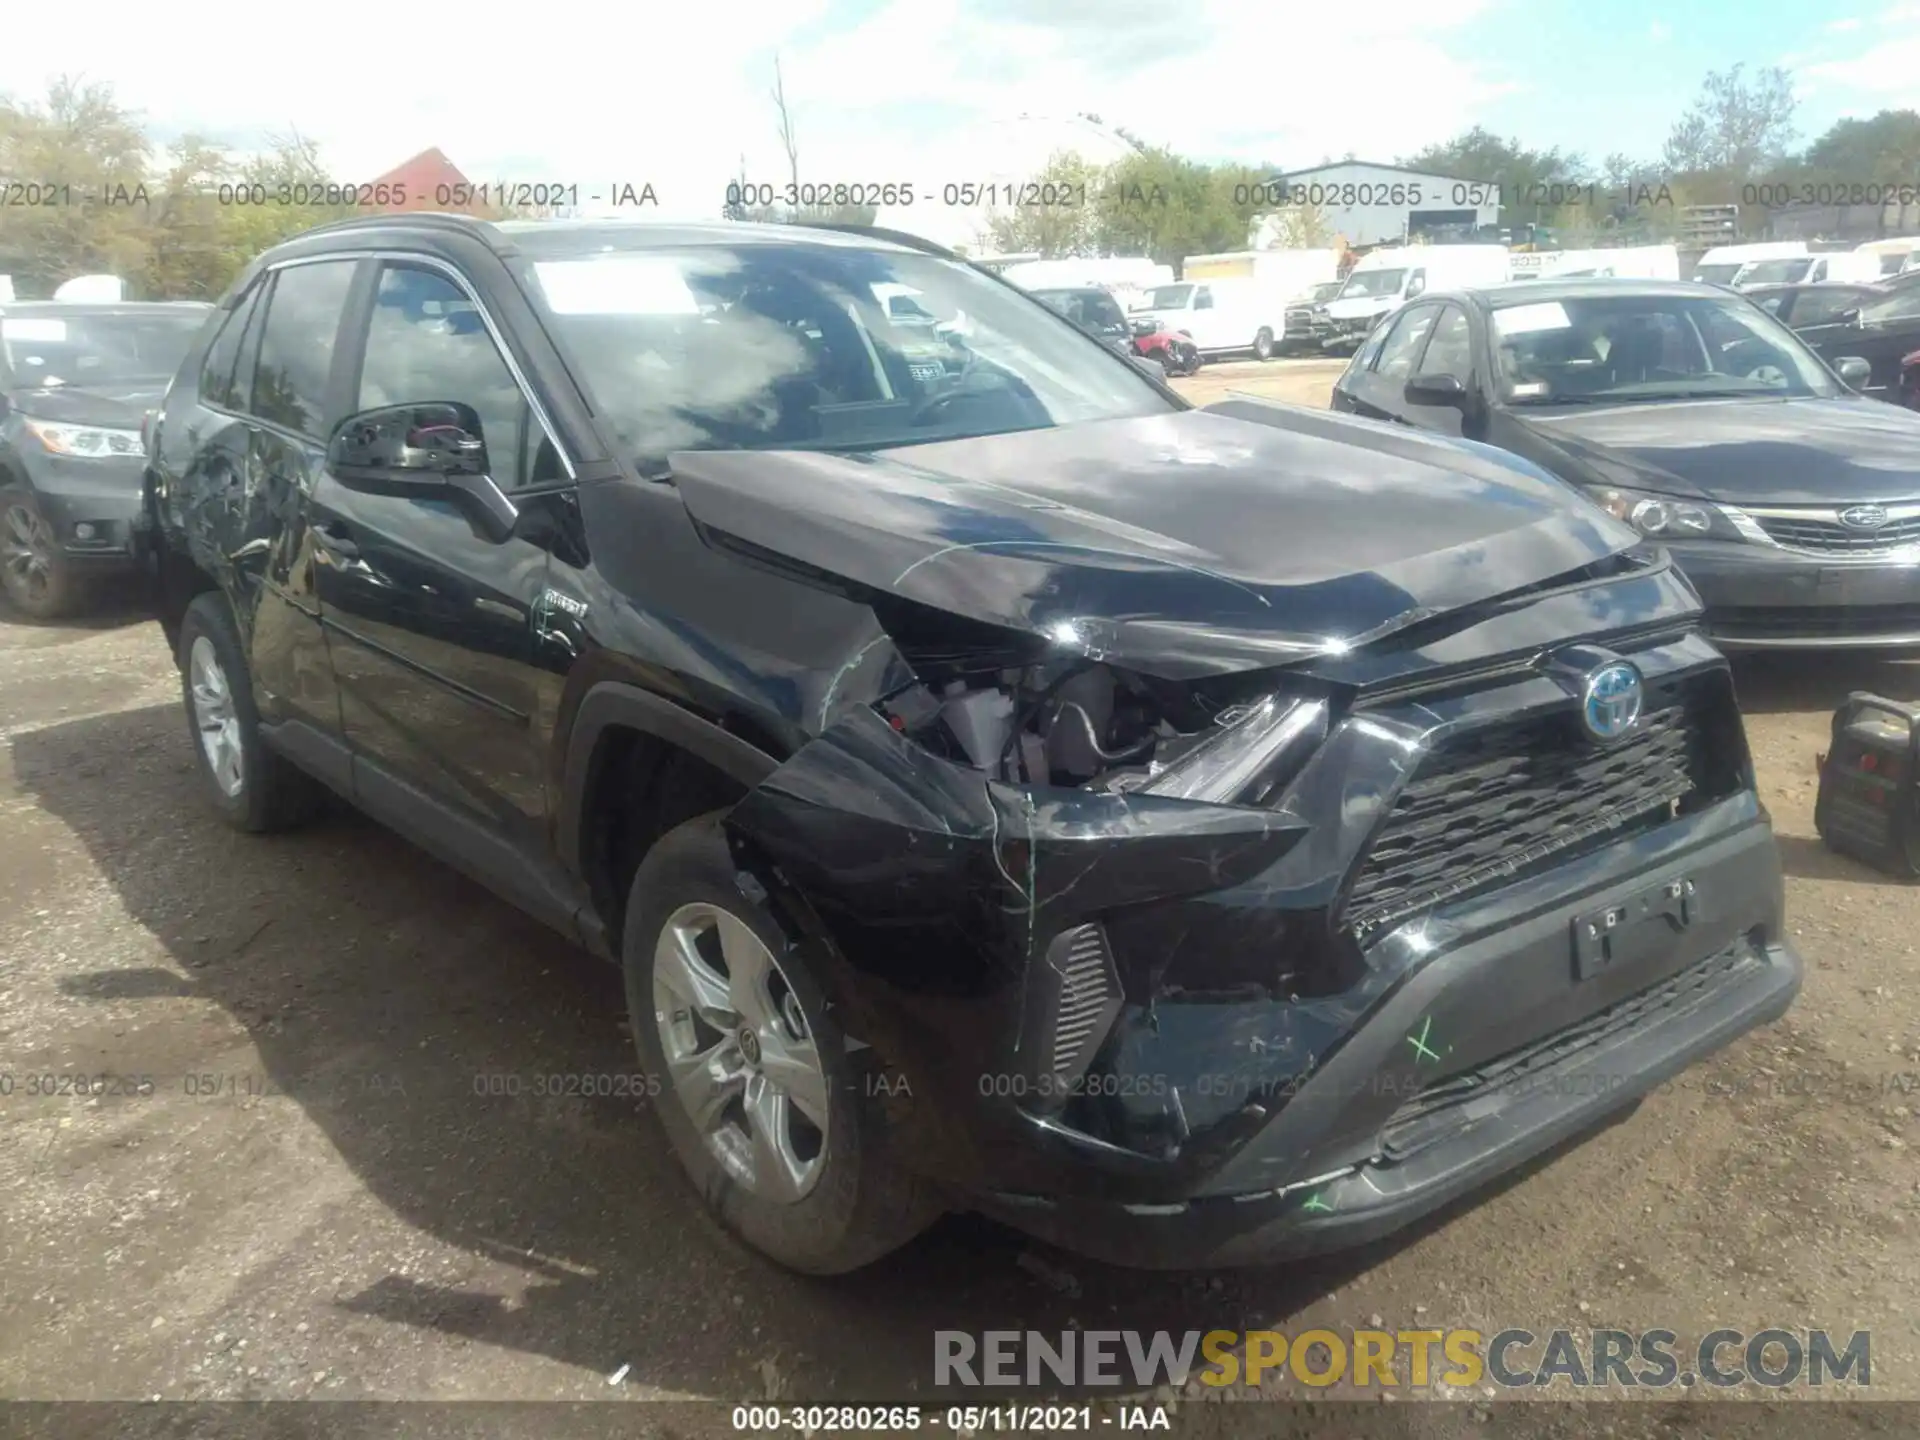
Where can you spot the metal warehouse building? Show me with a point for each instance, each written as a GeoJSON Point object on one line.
{"type": "Point", "coordinates": [1368, 204]}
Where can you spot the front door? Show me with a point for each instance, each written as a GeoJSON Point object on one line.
{"type": "Point", "coordinates": [1378, 391]}
{"type": "Point", "coordinates": [430, 621]}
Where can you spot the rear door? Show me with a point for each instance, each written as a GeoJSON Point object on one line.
{"type": "Point", "coordinates": [281, 397]}
{"type": "Point", "coordinates": [430, 621]}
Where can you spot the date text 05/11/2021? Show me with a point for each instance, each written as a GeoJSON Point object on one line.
{"type": "Point", "coordinates": [963, 1420]}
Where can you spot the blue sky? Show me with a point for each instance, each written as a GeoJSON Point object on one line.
{"type": "Point", "coordinates": [924, 90]}
{"type": "Point", "coordinates": [1615, 76]}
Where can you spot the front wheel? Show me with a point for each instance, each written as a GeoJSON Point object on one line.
{"type": "Point", "coordinates": [36, 576]}
{"type": "Point", "coordinates": [757, 1094]}
{"type": "Point", "coordinates": [1263, 344]}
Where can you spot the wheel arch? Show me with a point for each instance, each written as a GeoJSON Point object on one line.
{"type": "Point", "coordinates": [636, 766]}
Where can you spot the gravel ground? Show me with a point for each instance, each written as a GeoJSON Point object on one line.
{"type": "Point", "coordinates": [317, 1199]}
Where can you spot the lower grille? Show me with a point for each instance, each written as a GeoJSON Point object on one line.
{"type": "Point", "coordinates": [1487, 807]}
{"type": "Point", "coordinates": [1443, 1107]}
{"type": "Point", "coordinates": [1830, 537]}
{"type": "Point", "coordinates": [1812, 622]}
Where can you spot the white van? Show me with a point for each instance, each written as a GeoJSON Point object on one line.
{"type": "Point", "coordinates": [1901, 252]}
{"type": "Point", "coordinates": [1221, 316]}
{"type": "Point", "coordinates": [1720, 264]}
{"type": "Point", "coordinates": [1848, 265]}
{"type": "Point", "coordinates": [1637, 262]}
{"type": "Point", "coordinates": [1384, 280]}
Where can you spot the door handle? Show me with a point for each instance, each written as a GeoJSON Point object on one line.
{"type": "Point", "coordinates": [334, 540]}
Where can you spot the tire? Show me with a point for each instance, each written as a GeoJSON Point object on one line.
{"type": "Point", "coordinates": [36, 577]}
{"type": "Point", "coordinates": [253, 789]}
{"type": "Point", "coordinates": [1263, 344]}
{"type": "Point", "coordinates": [853, 1204]}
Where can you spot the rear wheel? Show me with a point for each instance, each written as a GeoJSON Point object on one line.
{"type": "Point", "coordinates": [758, 1097]}
{"type": "Point", "coordinates": [252, 788]}
{"type": "Point", "coordinates": [1263, 344]}
{"type": "Point", "coordinates": [36, 576]}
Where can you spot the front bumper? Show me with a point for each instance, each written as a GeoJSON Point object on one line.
{"type": "Point", "coordinates": [1437, 1143]}
{"type": "Point", "coordinates": [1763, 597]}
{"type": "Point", "coordinates": [1255, 1050]}
{"type": "Point", "coordinates": [94, 506]}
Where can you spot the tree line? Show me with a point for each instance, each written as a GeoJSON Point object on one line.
{"type": "Point", "coordinates": [1735, 144]}
{"type": "Point", "coordinates": [156, 215]}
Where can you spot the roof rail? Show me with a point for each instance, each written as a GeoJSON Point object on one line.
{"type": "Point", "coordinates": [893, 237]}
{"type": "Point", "coordinates": [431, 219]}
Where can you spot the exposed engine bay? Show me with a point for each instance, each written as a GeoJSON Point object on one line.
{"type": "Point", "coordinates": [1089, 724]}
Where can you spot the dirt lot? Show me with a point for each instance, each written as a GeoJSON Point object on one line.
{"type": "Point", "coordinates": [317, 1198]}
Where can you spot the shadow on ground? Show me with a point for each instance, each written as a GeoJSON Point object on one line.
{"type": "Point", "coordinates": [381, 990]}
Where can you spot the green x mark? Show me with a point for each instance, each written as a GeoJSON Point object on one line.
{"type": "Point", "coordinates": [1316, 1203]}
{"type": "Point", "coordinates": [1419, 1042]}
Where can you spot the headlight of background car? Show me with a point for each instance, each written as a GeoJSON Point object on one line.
{"type": "Point", "coordinates": [1658, 516]}
{"type": "Point", "coordinates": [85, 442]}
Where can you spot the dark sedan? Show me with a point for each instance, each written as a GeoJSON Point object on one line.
{"type": "Point", "coordinates": [1792, 503]}
{"type": "Point", "coordinates": [75, 382]}
{"type": "Point", "coordinates": [1883, 330]}
{"type": "Point", "coordinates": [1804, 306]}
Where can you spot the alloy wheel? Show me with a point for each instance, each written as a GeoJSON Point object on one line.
{"type": "Point", "coordinates": [26, 553]}
{"type": "Point", "coordinates": [740, 1055]}
{"type": "Point", "coordinates": [215, 718]}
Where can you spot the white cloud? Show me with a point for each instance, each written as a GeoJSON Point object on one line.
{"type": "Point", "coordinates": [675, 95]}
{"type": "Point", "coordinates": [1660, 32]}
{"type": "Point", "coordinates": [1839, 27]}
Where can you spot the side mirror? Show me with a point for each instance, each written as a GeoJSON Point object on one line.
{"type": "Point", "coordinates": [1850, 316]}
{"type": "Point", "coordinates": [1444, 390]}
{"type": "Point", "coordinates": [422, 451]}
{"type": "Point", "coordinates": [1853, 370]}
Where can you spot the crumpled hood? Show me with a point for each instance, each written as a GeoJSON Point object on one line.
{"type": "Point", "coordinates": [1194, 543]}
{"type": "Point", "coordinates": [1746, 452]}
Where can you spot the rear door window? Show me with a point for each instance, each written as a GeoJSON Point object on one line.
{"type": "Point", "coordinates": [292, 376]}
{"type": "Point", "coordinates": [217, 370]}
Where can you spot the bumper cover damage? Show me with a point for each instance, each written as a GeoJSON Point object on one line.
{"type": "Point", "coordinates": [1292, 1017]}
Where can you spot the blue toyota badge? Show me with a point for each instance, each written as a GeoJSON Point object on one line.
{"type": "Point", "coordinates": [1610, 700]}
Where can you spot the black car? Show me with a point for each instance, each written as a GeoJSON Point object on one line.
{"type": "Point", "coordinates": [1192, 835]}
{"type": "Point", "coordinates": [1095, 311]}
{"type": "Point", "coordinates": [1792, 503]}
{"type": "Point", "coordinates": [1803, 306]}
{"type": "Point", "coordinates": [76, 380]}
{"type": "Point", "coordinates": [1882, 330]}
{"type": "Point", "coordinates": [1308, 326]}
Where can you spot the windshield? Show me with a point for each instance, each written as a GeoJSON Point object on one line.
{"type": "Point", "coordinates": [1167, 297]}
{"type": "Point", "coordinates": [1326, 291]}
{"type": "Point", "coordinates": [1649, 347]}
{"type": "Point", "coordinates": [779, 346]}
{"type": "Point", "coordinates": [1716, 274]}
{"type": "Point", "coordinates": [1776, 272]}
{"type": "Point", "coordinates": [1876, 308]}
{"type": "Point", "coordinates": [1371, 283]}
{"type": "Point", "coordinates": [95, 350]}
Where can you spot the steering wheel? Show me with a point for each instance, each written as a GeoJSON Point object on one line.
{"type": "Point", "coordinates": [962, 384]}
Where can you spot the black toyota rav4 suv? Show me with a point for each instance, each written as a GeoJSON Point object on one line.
{"type": "Point", "coordinates": [1193, 835]}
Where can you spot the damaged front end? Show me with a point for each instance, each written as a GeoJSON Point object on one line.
{"type": "Point", "coordinates": [1158, 945]}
